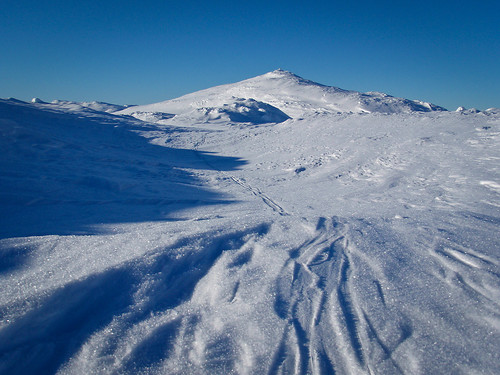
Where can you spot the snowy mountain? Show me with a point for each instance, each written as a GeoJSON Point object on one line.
{"type": "Point", "coordinates": [324, 243]}
{"type": "Point", "coordinates": [287, 92]}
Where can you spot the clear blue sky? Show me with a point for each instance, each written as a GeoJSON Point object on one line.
{"type": "Point", "coordinates": [139, 52]}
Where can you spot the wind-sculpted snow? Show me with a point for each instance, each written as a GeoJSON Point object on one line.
{"type": "Point", "coordinates": [326, 244]}
{"type": "Point", "coordinates": [151, 116]}
{"type": "Point", "coordinates": [237, 110]}
{"type": "Point", "coordinates": [245, 110]}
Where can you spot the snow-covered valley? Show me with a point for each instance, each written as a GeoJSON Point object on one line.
{"type": "Point", "coordinates": [272, 226]}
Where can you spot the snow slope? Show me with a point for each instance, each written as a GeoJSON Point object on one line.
{"type": "Point", "coordinates": [325, 244]}
{"type": "Point", "coordinates": [58, 161]}
{"type": "Point", "coordinates": [94, 105]}
{"type": "Point", "coordinates": [289, 93]}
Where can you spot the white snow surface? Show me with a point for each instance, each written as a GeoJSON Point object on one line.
{"type": "Point", "coordinates": [324, 243]}
{"type": "Point", "coordinates": [94, 105]}
{"type": "Point", "coordinates": [291, 94]}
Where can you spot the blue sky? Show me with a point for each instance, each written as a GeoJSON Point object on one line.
{"type": "Point", "coordinates": [139, 52]}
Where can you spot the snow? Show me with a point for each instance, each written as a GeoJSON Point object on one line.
{"type": "Point", "coordinates": [94, 105]}
{"type": "Point", "coordinates": [204, 242]}
{"type": "Point", "coordinates": [289, 93]}
{"type": "Point", "coordinates": [235, 110]}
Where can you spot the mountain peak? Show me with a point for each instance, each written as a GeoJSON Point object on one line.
{"type": "Point", "coordinates": [277, 74]}
{"type": "Point", "coordinates": [281, 73]}
{"type": "Point", "coordinates": [291, 94]}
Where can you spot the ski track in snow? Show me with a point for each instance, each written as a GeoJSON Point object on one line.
{"type": "Point", "coordinates": [319, 301]}
{"type": "Point", "coordinates": [330, 244]}
{"type": "Point", "coordinates": [258, 193]}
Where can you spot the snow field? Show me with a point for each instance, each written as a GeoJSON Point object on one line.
{"type": "Point", "coordinates": [326, 243]}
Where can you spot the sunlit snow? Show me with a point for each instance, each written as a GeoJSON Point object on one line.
{"type": "Point", "coordinates": [271, 226]}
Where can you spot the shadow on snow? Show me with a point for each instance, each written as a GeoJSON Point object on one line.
{"type": "Point", "coordinates": [66, 173]}
{"type": "Point", "coordinates": [49, 335]}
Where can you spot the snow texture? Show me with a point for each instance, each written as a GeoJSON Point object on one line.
{"type": "Point", "coordinates": [250, 234]}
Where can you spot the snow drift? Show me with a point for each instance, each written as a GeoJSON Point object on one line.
{"type": "Point", "coordinates": [237, 111]}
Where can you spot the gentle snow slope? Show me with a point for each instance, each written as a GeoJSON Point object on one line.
{"type": "Point", "coordinates": [289, 93]}
{"type": "Point", "coordinates": [330, 244]}
{"type": "Point", "coordinates": [78, 106]}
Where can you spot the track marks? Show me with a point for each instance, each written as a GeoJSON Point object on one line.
{"type": "Point", "coordinates": [386, 350]}
{"type": "Point", "coordinates": [380, 291]}
{"type": "Point", "coordinates": [330, 295]}
{"type": "Point", "coordinates": [280, 356]}
{"type": "Point", "coordinates": [326, 254]}
{"type": "Point", "coordinates": [348, 310]}
{"type": "Point", "coordinates": [258, 193]}
{"type": "Point", "coordinates": [302, 347]}
{"type": "Point", "coordinates": [293, 353]}
{"type": "Point", "coordinates": [317, 281]}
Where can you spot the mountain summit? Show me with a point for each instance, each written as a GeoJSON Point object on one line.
{"type": "Point", "coordinates": [282, 91]}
